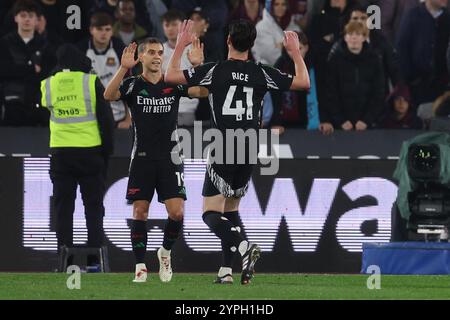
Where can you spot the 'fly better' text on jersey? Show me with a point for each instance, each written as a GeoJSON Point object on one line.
{"type": "Point", "coordinates": [154, 112]}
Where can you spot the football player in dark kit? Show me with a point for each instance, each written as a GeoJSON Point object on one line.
{"type": "Point", "coordinates": [154, 109]}
{"type": "Point", "coordinates": [236, 89]}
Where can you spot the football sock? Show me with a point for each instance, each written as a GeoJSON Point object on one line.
{"type": "Point", "coordinates": [227, 254]}
{"type": "Point", "coordinates": [223, 271]}
{"type": "Point", "coordinates": [139, 239]}
{"type": "Point", "coordinates": [171, 233]}
{"type": "Point", "coordinates": [223, 228]}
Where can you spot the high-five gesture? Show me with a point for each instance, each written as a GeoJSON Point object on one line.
{"type": "Point", "coordinates": [195, 55]}
{"type": "Point", "coordinates": [185, 34]}
{"type": "Point", "coordinates": [173, 73]}
{"type": "Point", "coordinates": [128, 61]}
{"type": "Point", "coordinates": [291, 43]}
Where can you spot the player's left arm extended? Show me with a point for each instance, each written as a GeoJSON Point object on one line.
{"type": "Point", "coordinates": [173, 73]}
{"type": "Point", "coordinates": [292, 45]}
{"type": "Point", "coordinates": [198, 92]}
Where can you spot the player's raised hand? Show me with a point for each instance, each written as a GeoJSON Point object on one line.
{"type": "Point", "coordinates": [291, 43]}
{"type": "Point", "coordinates": [195, 55]}
{"type": "Point", "coordinates": [184, 37]}
{"type": "Point", "coordinates": [128, 54]}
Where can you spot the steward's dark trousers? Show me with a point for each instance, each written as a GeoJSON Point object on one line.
{"type": "Point", "coordinates": [66, 172]}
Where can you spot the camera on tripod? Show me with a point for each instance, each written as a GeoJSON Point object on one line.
{"type": "Point", "coordinates": [422, 208]}
{"type": "Point", "coordinates": [429, 202]}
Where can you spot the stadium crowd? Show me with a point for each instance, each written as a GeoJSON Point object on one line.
{"type": "Point", "coordinates": [393, 77]}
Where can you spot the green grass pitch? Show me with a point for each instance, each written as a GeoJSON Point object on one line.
{"type": "Point", "coordinates": [200, 286]}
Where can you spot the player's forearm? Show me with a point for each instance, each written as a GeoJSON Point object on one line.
{"type": "Point", "coordinates": [301, 78]}
{"type": "Point", "coordinates": [173, 73]}
{"type": "Point", "coordinates": [112, 92]}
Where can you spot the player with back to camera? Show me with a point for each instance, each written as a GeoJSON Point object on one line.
{"type": "Point", "coordinates": [236, 88]}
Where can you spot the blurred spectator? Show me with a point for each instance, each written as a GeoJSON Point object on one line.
{"type": "Point", "coordinates": [314, 8]}
{"type": "Point", "coordinates": [126, 27]}
{"type": "Point", "coordinates": [105, 52]}
{"type": "Point", "coordinates": [200, 27]}
{"type": "Point", "coordinates": [52, 38]}
{"type": "Point", "coordinates": [6, 17]}
{"type": "Point", "coordinates": [299, 12]}
{"type": "Point", "coordinates": [55, 12]}
{"type": "Point", "coordinates": [251, 10]}
{"type": "Point", "coordinates": [270, 35]}
{"type": "Point", "coordinates": [269, 42]}
{"type": "Point", "coordinates": [422, 44]}
{"type": "Point", "coordinates": [379, 44]}
{"type": "Point", "coordinates": [25, 59]}
{"type": "Point", "coordinates": [156, 9]}
{"type": "Point", "coordinates": [295, 108]}
{"type": "Point", "coordinates": [216, 14]}
{"type": "Point", "coordinates": [110, 7]}
{"type": "Point", "coordinates": [172, 20]}
{"type": "Point", "coordinates": [391, 15]}
{"type": "Point", "coordinates": [401, 113]}
{"type": "Point", "coordinates": [326, 27]}
{"type": "Point", "coordinates": [354, 98]}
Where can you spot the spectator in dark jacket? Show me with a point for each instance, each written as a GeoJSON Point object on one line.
{"type": "Point", "coordinates": [422, 44]}
{"type": "Point", "coordinates": [53, 39]}
{"type": "Point", "coordinates": [392, 12]}
{"type": "Point", "coordinates": [326, 27]}
{"type": "Point", "coordinates": [401, 113]}
{"type": "Point", "coordinates": [25, 59]}
{"type": "Point", "coordinates": [378, 43]}
{"type": "Point", "coordinates": [354, 98]}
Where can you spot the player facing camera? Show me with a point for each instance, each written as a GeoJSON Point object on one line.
{"type": "Point", "coordinates": [422, 208]}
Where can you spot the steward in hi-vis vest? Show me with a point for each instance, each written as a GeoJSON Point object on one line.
{"type": "Point", "coordinates": [81, 140]}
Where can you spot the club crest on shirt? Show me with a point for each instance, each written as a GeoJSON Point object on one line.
{"type": "Point", "coordinates": [111, 61]}
{"type": "Point", "coordinates": [167, 90]}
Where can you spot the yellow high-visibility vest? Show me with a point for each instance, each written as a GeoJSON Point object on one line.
{"type": "Point", "coordinates": [71, 99]}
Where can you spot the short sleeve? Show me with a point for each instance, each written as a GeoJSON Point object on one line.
{"type": "Point", "coordinates": [201, 75]}
{"type": "Point", "coordinates": [126, 88]}
{"type": "Point", "coordinates": [275, 79]}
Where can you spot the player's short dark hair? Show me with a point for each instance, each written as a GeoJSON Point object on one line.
{"type": "Point", "coordinates": [27, 6]}
{"type": "Point", "coordinates": [147, 41]}
{"type": "Point", "coordinates": [101, 19]}
{"type": "Point", "coordinates": [173, 15]}
{"type": "Point", "coordinates": [242, 34]}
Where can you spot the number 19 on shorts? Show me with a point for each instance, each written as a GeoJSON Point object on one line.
{"type": "Point", "coordinates": [180, 178]}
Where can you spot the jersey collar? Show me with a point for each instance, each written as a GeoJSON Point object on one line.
{"type": "Point", "coordinates": [148, 81]}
